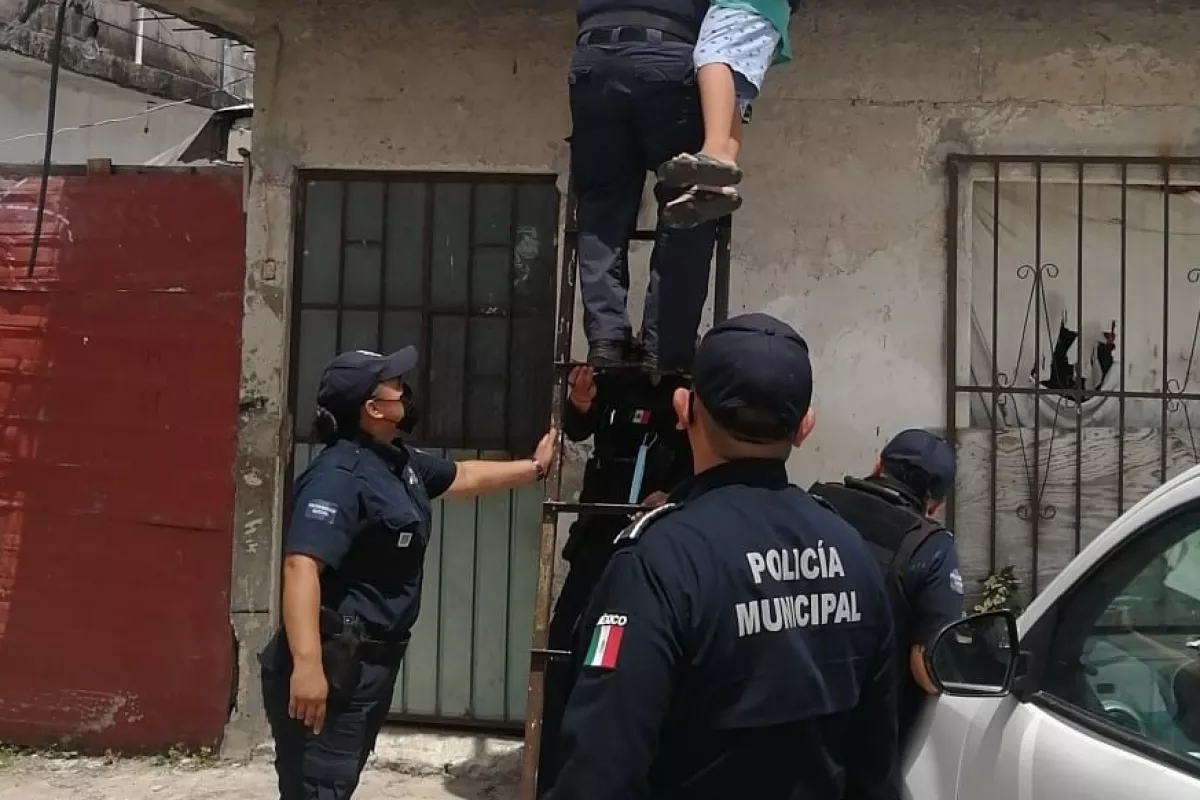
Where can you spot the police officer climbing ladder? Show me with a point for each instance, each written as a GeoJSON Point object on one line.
{"type": "Point", "coordinates": [634, 105]}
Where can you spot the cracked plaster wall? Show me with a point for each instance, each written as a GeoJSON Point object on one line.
{"type": "Point", "coordinates": [842, 230]}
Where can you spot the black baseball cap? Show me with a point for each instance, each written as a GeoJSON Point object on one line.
{"type": "Point", "coordinates": [754, 377]}
{"type": "Point", "coordinates": [351, 377]}
{"type": "Point", "coordinates": [920, 460]}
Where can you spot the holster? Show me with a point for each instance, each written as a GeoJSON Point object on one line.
{"type": "Point", "coordinates": [341, 638]}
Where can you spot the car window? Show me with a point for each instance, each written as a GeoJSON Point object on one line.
{"type": "Point", "coordinates": [1126, 645]}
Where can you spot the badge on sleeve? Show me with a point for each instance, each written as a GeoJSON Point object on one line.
{"type": "Point", "coordinates": [321, 511]}
{"type": "Point", "coordinates": [606, 641]}
{"type": "Point", "coordinates": [956, 582]}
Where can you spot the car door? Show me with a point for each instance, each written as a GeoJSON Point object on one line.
{"type": "Point", "coordinates": [1109, 704]}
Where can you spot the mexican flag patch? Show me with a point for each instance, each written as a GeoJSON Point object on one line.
{"type": "Point", "coordinates": [606, 642]}
{"type": "Point", "coordinates": [641, 417]}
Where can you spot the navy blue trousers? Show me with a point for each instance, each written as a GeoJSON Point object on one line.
{"type": "Point", "coordinates": [634, 106]}
{"type": "Point", "coordinates": [327, 766]}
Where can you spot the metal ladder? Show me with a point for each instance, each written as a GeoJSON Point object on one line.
{"type": "Point", "coordinates": [553, 504]}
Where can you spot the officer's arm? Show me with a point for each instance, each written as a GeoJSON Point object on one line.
{"type": "Point", "coordinates": [442, 476]}
{"type": "Point", "coordinates": [873, 762]}
{"type": "Point", "coordinates": [481, 477]}
{"type": "Point", "coordinates": [302, 608]}
{"type": "Point", "coordinates": [579, 425]}
{"type": "Point", "coordinates": [938, 599]}
{"type": "Point", "coordinates": [322, 528]}
{"type": "Point", "coordinates": [628, 647]}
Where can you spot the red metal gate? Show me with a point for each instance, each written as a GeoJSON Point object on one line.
{"type": "Point", "coordinates": [119, 370]}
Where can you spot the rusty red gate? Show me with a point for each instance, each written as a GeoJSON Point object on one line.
{"type": "Point", "coordinates": [119, 370]}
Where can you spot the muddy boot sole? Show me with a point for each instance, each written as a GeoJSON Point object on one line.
{"type": "Point", "coordinates": [698, 171]}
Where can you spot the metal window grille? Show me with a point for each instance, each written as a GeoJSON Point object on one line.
{"type": "Point", "coordinates": [1072, 324]}
{"type": "Point", "coordinates": [462, 267]}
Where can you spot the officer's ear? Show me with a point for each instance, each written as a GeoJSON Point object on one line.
{"type": "Point", "coordinates": [878, 468]}
{"type": "Point", "coordinates": [682, 403]}
{"type": "Point", "coordinates": [372, 409]}
{"type": "Point", "coordinates": [934, 506]}
{"type": "Point", "coordinates": [806, 426]}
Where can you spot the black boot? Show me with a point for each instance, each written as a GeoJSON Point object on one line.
{"type": "Point", "coordinates": [650, 364]}
{"type": "Point", "coordinates": [607, 354]}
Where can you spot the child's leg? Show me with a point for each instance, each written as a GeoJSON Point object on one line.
{"type": "Point", "coordinates": [718, 99]}
{"type": "Point", "coordinates": [735, 48]}
{"type": "Point", "coordinates": [735, 133]}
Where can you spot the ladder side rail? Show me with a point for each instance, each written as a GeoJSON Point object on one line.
{"type": "Point", "coordinates": [721, 279]}
{"type": "Point", "coordinates": [554, 505]}
{"type": "Point", "coordinates": [547, 542]}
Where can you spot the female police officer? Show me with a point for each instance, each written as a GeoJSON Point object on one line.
{"type": "Point", "coordinates": [352, 570]}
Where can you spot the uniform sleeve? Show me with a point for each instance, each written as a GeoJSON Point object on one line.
{"type": "Point", "coordinates": [578, 425]}
{"type": "Point", "coordinates": [937, 589]}
{"type": "Point", "coordinates": [435, 472]}
{"type": "Point", "coordinates": [325, 517]}
{"type": "Point", "coordinates": [627, 649]}
{"type": "Point", "coordinates": [873, 763]}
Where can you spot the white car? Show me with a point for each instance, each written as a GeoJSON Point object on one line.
{"type": "Point", "coordinates": [1101, 700]}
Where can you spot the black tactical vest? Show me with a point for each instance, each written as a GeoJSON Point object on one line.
{"type": "Point", "coordinates": [893, 531]}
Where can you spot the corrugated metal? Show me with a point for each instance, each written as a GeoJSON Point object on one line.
{"type": "Point", "coordinates": [119, 371]}
{"type": "Point", "coordinates": [461, 266]}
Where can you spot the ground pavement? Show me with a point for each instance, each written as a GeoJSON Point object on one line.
{"type": "Point", "coordinates": [64, 777]}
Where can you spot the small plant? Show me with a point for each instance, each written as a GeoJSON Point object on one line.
{"type": "Point", "coordinates": [1001, 590]}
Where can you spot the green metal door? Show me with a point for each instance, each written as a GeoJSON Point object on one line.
{"type": "Point", "coordinates": [462, 266]}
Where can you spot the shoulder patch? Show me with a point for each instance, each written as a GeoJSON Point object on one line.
{"type": "Point", "coordinates": [321, 511]}
{"type": "Point", "coordinates": [605, 645]}
{"type": "Point", "coordinates": [631, 533]}
{"type": "Point", "coordinates": [956, 582]}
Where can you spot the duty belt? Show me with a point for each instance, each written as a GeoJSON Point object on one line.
{"type": "Point", "coordinates": [611, 27]}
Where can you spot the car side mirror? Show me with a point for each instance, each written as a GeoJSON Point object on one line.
{"type": "Point", "coordinates": [976, 656]}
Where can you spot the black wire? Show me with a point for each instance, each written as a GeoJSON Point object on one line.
{"type": "Point", "coordinates": [52, 103]}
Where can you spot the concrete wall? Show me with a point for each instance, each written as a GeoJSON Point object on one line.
{"type": "Point", "coordinates": [842, 231]}
{"type": "Point", "coordinates": [131, 46]}
{"type": "Point", "coordinates": [24, 86]}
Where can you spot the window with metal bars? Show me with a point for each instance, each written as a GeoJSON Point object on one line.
{"type": "Point", "coordinates": [459, 265]}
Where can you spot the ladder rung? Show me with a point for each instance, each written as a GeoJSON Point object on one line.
{"type": "Point", "coordinates": [632, 366]}
{"type": "Point", "coordinates": [636, 236]}
{"type": "Point", "coordinates": [552, 655]}
{"type": "Point", "coordinates": [564, 507]}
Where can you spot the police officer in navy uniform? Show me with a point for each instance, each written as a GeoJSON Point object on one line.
{"type": "Point", "coordinates": [638, 454]}
{"type": "Point", "coordinates": [354, 554]}
{"type": "Point", "coordinates": [635, 104]}
{"type": "Point", "coordinates": [739, 643]}
{"type": "Point", "coordinates": [893, 509]}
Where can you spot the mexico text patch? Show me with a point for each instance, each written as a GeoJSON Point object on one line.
{"type": "Point", "coordinates": [606, 641]}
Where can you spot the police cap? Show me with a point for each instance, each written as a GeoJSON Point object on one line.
{"type": "Point", "coordinates": [350, 379]}
{"type": "Point", "coordinates": [754, 377]}
{"type": "Point", "coordinates": [921, 461]}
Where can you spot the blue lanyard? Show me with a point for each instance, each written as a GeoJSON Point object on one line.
{"type": "Point", "coordinates": [639, 470]}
